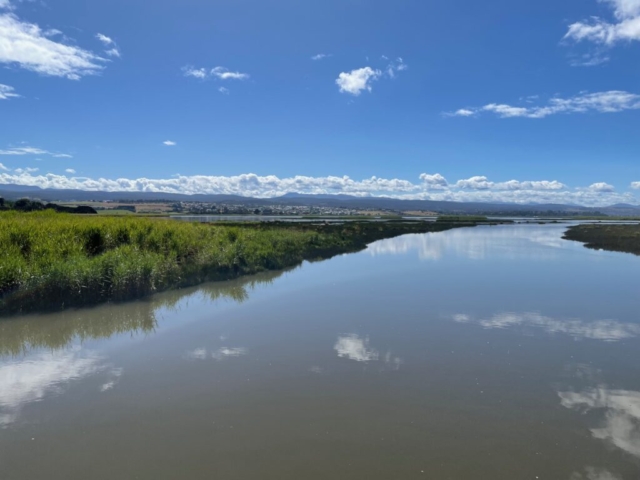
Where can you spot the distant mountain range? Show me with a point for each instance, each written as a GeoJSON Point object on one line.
{"type": "Point", "coordinates": [12, 192]}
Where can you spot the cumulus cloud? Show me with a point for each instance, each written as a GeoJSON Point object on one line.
{"type": "Point", "coordinates": [321, 56]}
{"type": "Point", "coordinates": [429, 187]}
{"type": "Point", "coordinates": [625, 27]}
{"type": "Point", "coordinates": [435, 181]}
{"type": "Point", "coordinates": [7, 92]}
{"type": "Point", "coordinates": [356, 81]}
{"type": "Point", "coordinates": [221, 73]}
{"type": "Point", "coordinates": [169, 143]}
{"type": "Point", "coordinates": [18, 151]}
{"type": "Point", "coordinates": [27, 46]}
{"type": "Point", "coordinates": [602, 187]}
{"type": "Point", "coordinates": [2, 167]}
{"type": "Point", "coordinates": [635, 185]}
{"type": "Point", "coordinates": [71, 171]}
{"type": "Point", "coordinates": [601, 102]}
{"type": "Point", "coordinates": [483, 183]}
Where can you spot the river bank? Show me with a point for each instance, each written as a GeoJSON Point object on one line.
{"type": "Point", "coordinates": [51, 261]}
{"type": "Point", "coordinates": [616, 238]}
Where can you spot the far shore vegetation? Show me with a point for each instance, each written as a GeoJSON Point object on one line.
{"type": "Point", "coordinates": [616, 238]}
{"type": "Point", "coordinates": [50, 260]}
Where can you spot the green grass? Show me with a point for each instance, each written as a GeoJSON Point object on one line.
{"type": "Point", "coordinates": [52, 261]}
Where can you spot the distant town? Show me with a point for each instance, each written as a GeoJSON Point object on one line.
{"type": "Point", "coordinates": [205, 208]}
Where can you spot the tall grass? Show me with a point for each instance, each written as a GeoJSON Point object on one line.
{"type": "Point", "coordinates": [53, 260]}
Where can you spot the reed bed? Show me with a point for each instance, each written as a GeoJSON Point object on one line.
{"type": "Point", "coordinates": [51, 260]}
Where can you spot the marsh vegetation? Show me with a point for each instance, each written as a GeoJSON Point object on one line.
{"type": "Point", "coordinates": [51, 261]}
{"type": "Point", "coordinates": [617, 238]}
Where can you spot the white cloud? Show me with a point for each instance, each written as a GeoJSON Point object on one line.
{"type": "Point", "coordinates": [113, 51]}
{"type": "Point", "coordinates": [26, 170]}
{"type": "Point", "coordinates": [429, 187]}
{"type": "Point", "coordinates": [625, 27]}
{"type": "Point", "coordinates": [602, 187]}
{"type": "Point", "coordinates": [601, 102]}
{"type": "Point", "coordinates": [435, 181]}
{"type": "Point", "coordinates": [200, 73]}
{"type": "Point", "coordinates": [169, 143]}
{"type": "Point", "coordinates": [27, 46]}
{"type": "Point", "coordinates": [396, 66]}
{"type": "Point", "coordinates": [7, 92]}
{"type": "Point", "coordinates": [32, 151]}
{"type": "Point", "coordinates": [463, 112]}
{"type": "Point", "coordinates": [321, 56]}
{"type": "Point", "coordinates": [5, 4]}
{"type": "Point", "coordinates": [224, 74]}
{"type": "Point", "coordinates": [220, 73]}
{"type": "Point", "coordinates": [483, 183]}
{"type": "Point", "coordinates": [635, 185]}
{"type": "Point", "coordinates": [224, 90]}
{"type": "Point", "coordinates": [104, 39]}
{"type": "Point", "coordinates": [2, 167]}
{"type": "Point", "coordinates": [355, 348]}
{"type": "Point", "coordinates": [70, 170]}
{"type": "Point", "coordinates": [358, 80]}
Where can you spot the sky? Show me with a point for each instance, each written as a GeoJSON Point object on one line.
{"type": "Point", "coordinates": [503, 100]}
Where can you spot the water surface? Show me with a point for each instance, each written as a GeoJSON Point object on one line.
{"type": "Point", "coordinates": [479, 353]}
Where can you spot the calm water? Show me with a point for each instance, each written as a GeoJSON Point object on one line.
{"type": "Point", "coordinates": [486, 353]}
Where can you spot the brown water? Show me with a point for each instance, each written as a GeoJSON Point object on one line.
{"type": "Point", "coordinates": [486, 353]}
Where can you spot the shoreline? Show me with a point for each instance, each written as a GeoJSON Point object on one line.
{"type": "Point", "coordinates": [613, 238]}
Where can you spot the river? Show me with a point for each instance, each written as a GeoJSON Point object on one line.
{"type": "Point", "coordinates": [495, 353]}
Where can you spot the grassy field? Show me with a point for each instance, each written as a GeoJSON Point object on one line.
{"type": "Point", "coordinates": [617, 238]}
{"type": "Point", "coordinates": [52, 261]}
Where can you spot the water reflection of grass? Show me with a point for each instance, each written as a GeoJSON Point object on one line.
{"type": "Point", "coordinates": [58, 330]}
{"type": "Point", "coordinates": [618, 238]}
{"type": "Point", "coordinates": [51, 261]}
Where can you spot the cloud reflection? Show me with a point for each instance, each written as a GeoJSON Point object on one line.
{"type": "Point", "coordinates": [30, 380]}
{"type": "Point", "coordinates": [620, 412]}
{"type": "Point", "coordinates": [477, 243]}
{"type": "Point", "coordinates": [220, 354]}
{"type": "Point", "coordinates": [591, 473]}
{"type": "Point", "coordinates": [605, 330]}
{"type": "Point", "coordinates": [355, 348]}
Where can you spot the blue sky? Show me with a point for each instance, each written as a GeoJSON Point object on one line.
{"type": "Point", "coordinates": [461, 100]}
